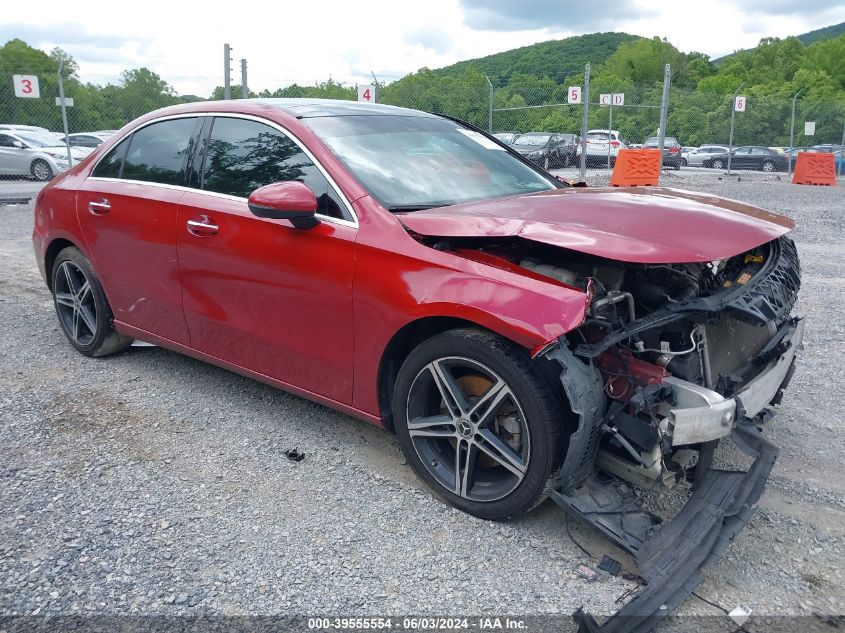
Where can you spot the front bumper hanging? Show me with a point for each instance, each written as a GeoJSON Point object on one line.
{"type": "Point", "coordinates": [670, 556]}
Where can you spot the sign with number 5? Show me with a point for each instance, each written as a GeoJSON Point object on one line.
{"type": "Point", "coordinates": [367, 93]}
{"type": "Point", "coordinates": [26, 86]}
{"type": "Point", "coordinates": [739, 105]}
{"type": "Point", "coordinates": [574, 95]}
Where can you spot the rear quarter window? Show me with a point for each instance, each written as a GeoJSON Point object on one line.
{"type": "Point", "coordinates": [111, 164]}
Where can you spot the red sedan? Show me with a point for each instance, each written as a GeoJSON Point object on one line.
{"type": "Point", "coordinates": [522, 337]}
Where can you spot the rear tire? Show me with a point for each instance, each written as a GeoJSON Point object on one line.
{"type": "Point", "coordinates": [486, 424]}
{"type": "Point", "coordinates": [82, 308]}
{"type": "Point", "coordinates": [768, 166]}
{"type": "Point", "coordinates": [717, 164]}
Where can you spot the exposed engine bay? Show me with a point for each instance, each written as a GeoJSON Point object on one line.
{"type": "Point", "coordinates": [674, 348]}
{"type": "Point", "coordinates": [667, 358]}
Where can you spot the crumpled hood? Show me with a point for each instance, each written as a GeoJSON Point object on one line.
{"type": "Point", "coordinates": [640, 224]}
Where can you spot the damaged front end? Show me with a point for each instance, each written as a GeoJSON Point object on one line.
{"type": "Point", "coordinates": [671, 359]}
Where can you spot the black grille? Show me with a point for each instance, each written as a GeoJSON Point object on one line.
{"type": "Point", "coordinates": [771, 295]}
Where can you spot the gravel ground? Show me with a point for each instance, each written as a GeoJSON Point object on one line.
{"type": "Point", "coordinates": [153, 484]}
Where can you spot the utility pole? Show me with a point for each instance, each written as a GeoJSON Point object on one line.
{"type": "Point", "coordinates": [244, 87]}
{"type": "Point", "coordinates": [792, 132]}
{"type": "Point", "coordinates": [227, 72]}
{"type": "Point", "coordinates": [585, 122]}
{"type": "Point", "coordinates": [664, 111]}
{"type": "Point", "coordinates": [731, 134]}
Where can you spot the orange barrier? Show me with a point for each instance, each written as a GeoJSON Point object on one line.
{"type": "Point", "coordinates": [636, 168]}
{"type": "Point", "coordinates": [814, 169]}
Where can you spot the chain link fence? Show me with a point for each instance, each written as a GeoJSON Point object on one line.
{"type": "Point", "coordinates": [524, 104]}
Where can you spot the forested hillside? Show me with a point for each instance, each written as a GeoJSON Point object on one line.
{"type": "Point", "coordinates": [556, 59]}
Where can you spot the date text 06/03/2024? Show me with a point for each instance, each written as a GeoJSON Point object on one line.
{"type": "Point", "coordinates": [416, 623]}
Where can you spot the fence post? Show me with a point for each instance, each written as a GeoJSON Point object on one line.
{"type": "Point", "coordinates": [227, 79]}
{"type": "Point", "coordinates": [731, 134]}
{"type": "Point", "coordinates": [489, 105]}
{"type": "Point", "coordinates": [792, 133]}
{"type": "Point", "coordinates": [664, 111]}
{"type": "Point", "coordinates": [842, 150]}
{"type": "Point", "coordinates": [244, 86]}
{"type": "Point", "coordinates": [64, 110]}
{"type": "Point", "coordinates": [585, 121]}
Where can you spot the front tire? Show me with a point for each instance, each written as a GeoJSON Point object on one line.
{"type": "Point", "coordinates": [768, 166]}
{"type": "Point", "coordinates": [41, 170]}
{"type": "Point", "coordinates": [479, 422]}
{"type": "Point", "coordinates": [84, 313]}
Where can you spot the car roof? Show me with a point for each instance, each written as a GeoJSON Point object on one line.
{"type": "Point", "coordinates": [308, 108]}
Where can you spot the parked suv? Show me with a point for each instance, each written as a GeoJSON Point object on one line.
{"type": "Point", "coordinates": [596, 146]}
{"type": "Point", "coordinates": [671, 150]}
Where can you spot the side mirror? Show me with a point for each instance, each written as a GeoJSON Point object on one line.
{"type": "Point", "coordinates": [291, 200]}
{"type": "Point", "coordinates": [18, 144]}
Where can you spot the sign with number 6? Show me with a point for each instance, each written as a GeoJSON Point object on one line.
{"type": "Point", "coordinates": [739, 105]}
{"type": "Point", "coordinates": [26, 86]}
{"type": "Point", "coordinates": [574, 95]}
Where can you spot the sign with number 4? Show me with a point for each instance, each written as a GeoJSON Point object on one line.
{"type": "Point", "coordinates": [574, 95]}
{"type": "Point", "coordinates": [367, 93]}
{"type": "Point", "coordinates": [739, 104]}
{"type": "Point", "coordinates": [26, 86]}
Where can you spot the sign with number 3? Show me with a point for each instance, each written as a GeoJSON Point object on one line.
{"type": "Point", "coordinates": [26, 86]}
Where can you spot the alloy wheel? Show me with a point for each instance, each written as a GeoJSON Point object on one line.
{"type": "Point", "coordinates": [768, 166]}
{"type": "Point", "coordinates": [75, 303]}
{"type": "Point", "coordinates": [468, 429]}
{"type": "Point", "coordinates": [41, 170]}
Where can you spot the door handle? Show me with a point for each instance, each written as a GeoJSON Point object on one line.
{"type": "Point", "coordinates": [202, 227]}
{"type": "Point", "coordinates": [99, 207]}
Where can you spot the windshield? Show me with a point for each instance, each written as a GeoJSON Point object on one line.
{"type": "Point", "coordinates": [408, 162]}
{"type": "Point", "coordinates": [506, 137]}
{"type": "Point", "coordinates": [533, 139]}
{"type": "Point", "coordinates": [597, 136]}
{"type": "Point", "coordinates": [38, 139]}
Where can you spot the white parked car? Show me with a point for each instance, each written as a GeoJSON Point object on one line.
{"type": "Point", "coordinates": [696, 156]}
{"type": "Point", "coordinates": [33, 153]}
{"type": "Point", "coordinates": [602, 143]}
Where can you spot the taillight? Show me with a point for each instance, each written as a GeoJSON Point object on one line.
{"type": "Point", "coordinates": [614, 143]}
{"type": "Point", "coordinates": [673, 150]}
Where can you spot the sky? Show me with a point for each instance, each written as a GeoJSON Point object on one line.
{"type": "Point", "coordinates": [305, 42]}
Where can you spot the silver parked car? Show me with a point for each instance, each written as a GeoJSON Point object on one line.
{"type": "Point", "coordinates": [36, 154]}
{"type": "Point", "coordinates": [696, 156]}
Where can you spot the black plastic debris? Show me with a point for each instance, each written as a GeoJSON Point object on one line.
{"type": "Point", "coordinates": [610, 565]}
{"type": "Point", "coordinates": [294, 455]}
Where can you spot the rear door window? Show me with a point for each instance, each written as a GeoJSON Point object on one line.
{"type": "Point", "coordinates": [159, 152]}
{"type": "Point", "coordinates": [243, 155]}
